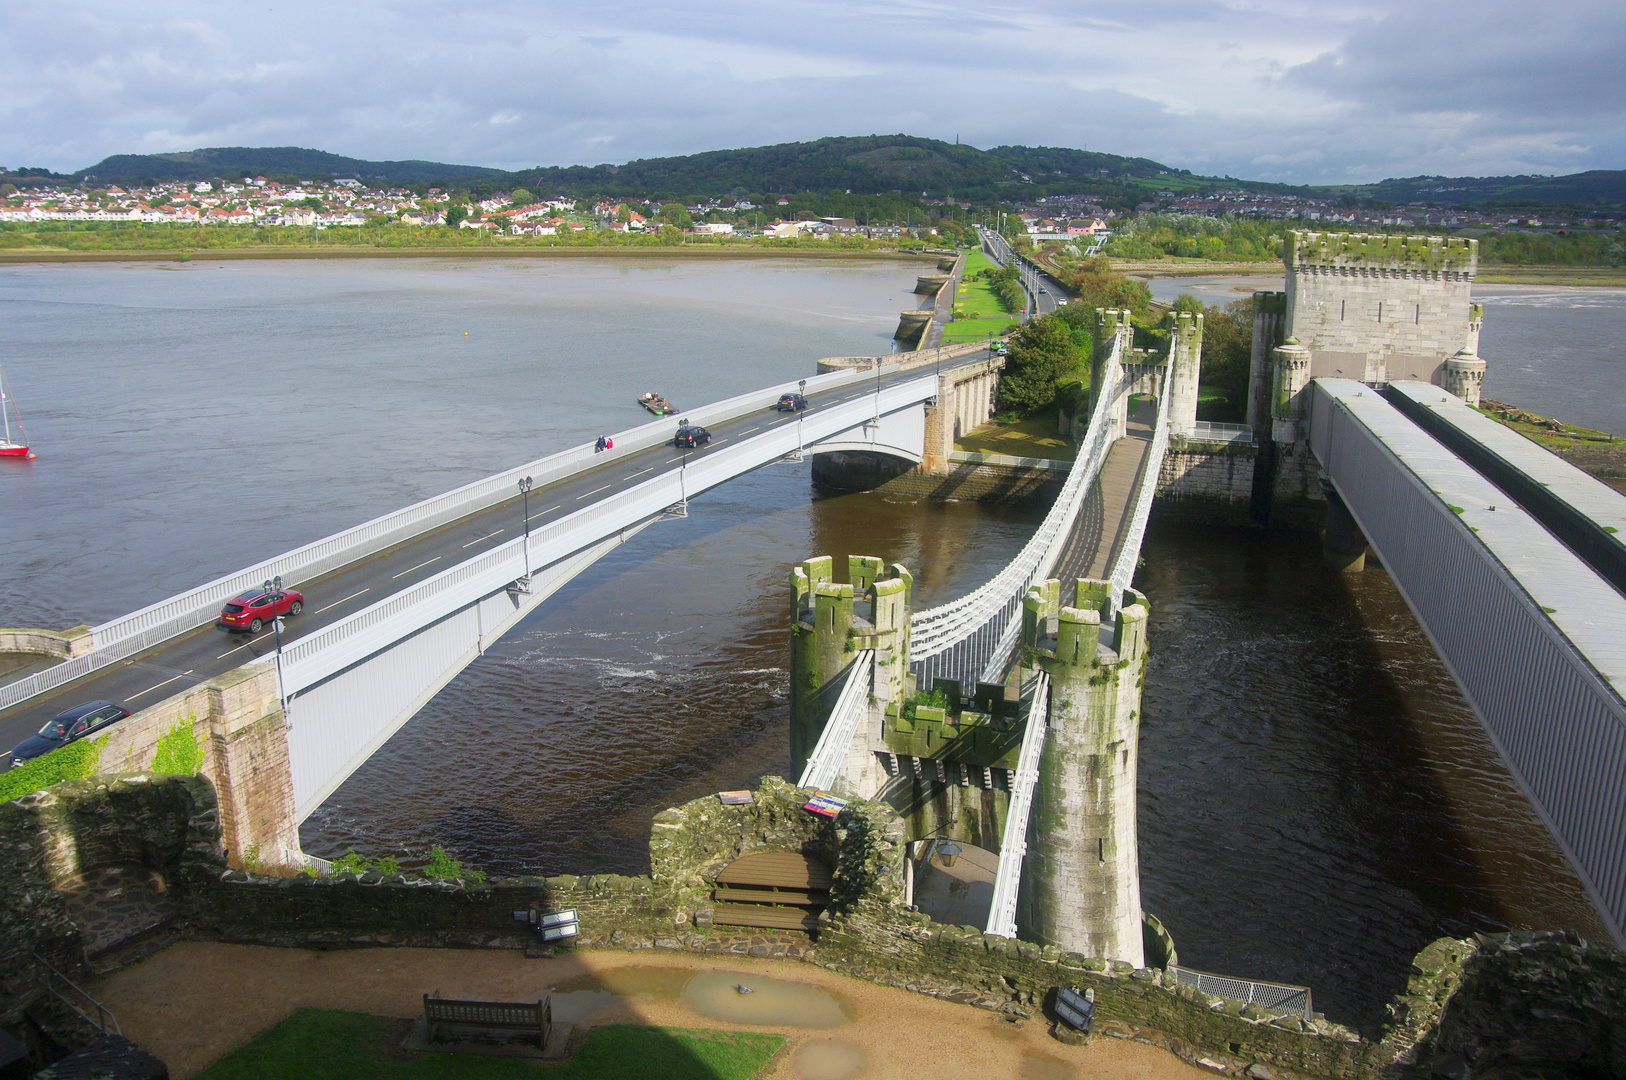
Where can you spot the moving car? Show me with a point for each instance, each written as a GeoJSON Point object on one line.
{"type": "Point", "coordinates": [251, 610]}
{"type": "Point", "coordinates": [66, 727]}
{"type": "Point", "coordinates": [692, 435]}
{"type": "Point", "coordinates": [790, 403]}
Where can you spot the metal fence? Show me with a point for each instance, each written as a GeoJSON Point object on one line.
{"type": "Point", "coordinates": [1123, 568]}
{"type": "Point", "coordinates": [1203, 431]}
{"type": "Point", "coordinates": [1013, 844]}
{"type": "Point", "coordinates": [824, 764]}
{"type": "Point", "coordinates": [1275, 997]}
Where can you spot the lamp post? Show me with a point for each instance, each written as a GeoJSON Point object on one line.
{"type": "Point", "coordinates": [525, 498]}
{"type": "Point", "coordinates": [274, 589]}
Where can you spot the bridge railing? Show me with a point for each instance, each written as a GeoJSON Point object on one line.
{"type": "Point", "coordinates": [1123, 567]}
{"type": "Point", "coordinates": [961, 639]}
{"type": "Point", "coordinates": [1013, 844]}
{"type": "Point", "coordinates": [824, 764]}
{"type": "Point", "coordinates": [140, 630]}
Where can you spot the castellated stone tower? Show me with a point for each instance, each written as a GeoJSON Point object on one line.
{"type": "Point", "coordinates": [1384, 308]}
{"type": "Point", "coordinates": [831, 624]}
{"type": "Point", "coordinates": [1185, 363]}
{"type": "Point", "coordinates": [1081, 877]}
{"type": "Point", "coordinates": [1111, 326]}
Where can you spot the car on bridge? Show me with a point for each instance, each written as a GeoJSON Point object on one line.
{"type": "Point", "coordinates": [251, 610]}
{"type": "Point", "coordinates": [691, 435]}
{"type": "Point", "coordinates": [790, 403]}
{"type": "Point", "coordinates": [66, 727]}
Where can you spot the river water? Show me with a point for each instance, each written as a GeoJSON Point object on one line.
{"type": "Point", "coordinates": [1317, 801]}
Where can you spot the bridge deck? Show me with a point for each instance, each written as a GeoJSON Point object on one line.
{"type": "Point", "coordinates": [1099, 533]}
{"type": "Point", "coordinates": [181, 662]}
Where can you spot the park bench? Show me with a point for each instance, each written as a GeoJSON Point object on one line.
{"type": "Point", "coordinates": [444, 1017]}
{"type": "Point", "coordinates": [782, 890]}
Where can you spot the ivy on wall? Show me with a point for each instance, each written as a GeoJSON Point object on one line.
{"type": "Point", "coordinates": [76, 761]}
{"type": "Point", "coordinates": [179, 750]}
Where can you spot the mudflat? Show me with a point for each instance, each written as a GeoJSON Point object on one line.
{"type": "Point", "coordinates": [195, 1001]}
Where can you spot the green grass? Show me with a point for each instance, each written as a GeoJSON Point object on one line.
{"type": "Point", "coordinates": [978, 311]}
{"type": "Point", "coordinates": [330, 1044]}
{"type": "Point", "coordinates": [1034, 436]}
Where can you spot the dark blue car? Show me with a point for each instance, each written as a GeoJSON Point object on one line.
{"type": "Point", "coordinates": [65, 727]}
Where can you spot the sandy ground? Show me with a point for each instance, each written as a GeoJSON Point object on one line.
{"type": "Point", "coordinates": [195, 1001]}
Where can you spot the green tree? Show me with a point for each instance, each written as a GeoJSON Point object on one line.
{"type": "Point", "coordinates": [521, 197]}
{"type": "Point", "coordinates": [1041, 353]}
{"type": "Point", "coordinates": [675, 214]}
{"type": "Point", "coordinates": [455, 215]}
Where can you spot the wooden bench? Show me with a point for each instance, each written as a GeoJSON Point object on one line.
{"type": "Point", "coordinates": [531, 1018]}
{"type": "Point", "coordinates": [781, 890]}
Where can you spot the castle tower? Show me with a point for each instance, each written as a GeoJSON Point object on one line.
{"type": "Point", "coordinates": [1269, 311]}
{"type": "Point", "coordinates": [1113, 328]}
{"type": "Point", "coordinates": [1465, 371]}
{"type": "Point", "coordinates": [1185, 366]}
{"type": "Point", "coordinates": [1081, 877]}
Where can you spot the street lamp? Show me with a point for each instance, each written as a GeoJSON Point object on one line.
{"type": "Point", "coordinates": [525, 497]}
{"type": "Point", "coordinates": [273, 588]}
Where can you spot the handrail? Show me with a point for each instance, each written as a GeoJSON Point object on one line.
{"type": "Point", "coordinates": [105, 1015]}
{"type": "Point", "coordinates": [1013, 844]}
{"type": "Point", "coordinates": [824, 764]}
{"type": "Point", "coordinates": [1123, 568]}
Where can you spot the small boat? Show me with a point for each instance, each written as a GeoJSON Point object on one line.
{"type": "Point", "coordinates": [657, 404]}
{"type": "Point", "coordinates": [7, 447]}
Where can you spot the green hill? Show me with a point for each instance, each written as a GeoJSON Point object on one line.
{"type": "Point", "coordinates": [233, 162]}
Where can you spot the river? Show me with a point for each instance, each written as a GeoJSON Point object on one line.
{"type": "Point", "coordinates": [1316, 799]}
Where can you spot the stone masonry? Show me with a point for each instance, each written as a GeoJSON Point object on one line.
{"type": "Point", "coordinates": [1081, 877]}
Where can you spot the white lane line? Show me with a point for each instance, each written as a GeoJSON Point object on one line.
{"type": "Point", "coordinates": [669, 460]}
{"type": "Point", "coordinates": [636, 475]}
{"type": "Point", "coordinates": [420, 566]}
{"type": "Point", "coordinates": [239, 648]}
{"type": "Point", "coordinates": [748, 430]}
{"type": "Point", "coordinates": [352, 596]}
{"type": "Point", "coordinates": [150, 689]}
{"type": "Point", "coordinates": [595, 491]}
{"type": "Point", "coordinates": [539, 513]}
{"type": "Point", "coordinates": [477, 539]}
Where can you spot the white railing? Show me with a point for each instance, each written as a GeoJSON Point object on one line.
{"type": "Point", "coordinates": [313, 658]}
{"type": "Point", "coordinates": [1204, 431]}
{"type": "Point", "coordinates": [979, 457]}
{"type": "Point", "coordinates": [960, 639]}
{"type": "Point", "coordinates": [1013, 844]}
{"type": "Point", "coordinates": [824, 765]}
{"type": "Point", "coordinates": [1123, 568]}
{"type": "Point", "coordinates": [140, 630]}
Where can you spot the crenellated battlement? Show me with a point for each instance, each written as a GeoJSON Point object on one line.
{"type": "Point", "coordinates": [1380, 255]}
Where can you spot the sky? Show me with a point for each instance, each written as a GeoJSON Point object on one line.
{"type": "Point", "coordinates": [1320, 91]}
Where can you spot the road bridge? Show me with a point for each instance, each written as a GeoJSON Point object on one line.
{"type": "Point", "coordinates": [397, 606]}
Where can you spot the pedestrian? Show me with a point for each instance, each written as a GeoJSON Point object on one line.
{"type": "Point", "coordinates": [598, 447]}
{"type": "Point", "coordinates": [609, 443]}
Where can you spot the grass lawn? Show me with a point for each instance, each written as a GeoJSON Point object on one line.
{"type": "Point", "coordinates": [1215, 406]}
{"type": "Point", "coordinates": [330, 1044]}
{"type": "Point", "coordinates": [1034, 437]}
{"type": "Point", "coordinates": [978, 311]}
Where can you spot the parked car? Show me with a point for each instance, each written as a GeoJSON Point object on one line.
{"type": "Point", "coordinates": [692, 435]}
{"type": "Point", "coordinates": [251, 610]}
{"type": "Point", "coordinates": [65, 727]}
{"type": "Point", "coordinates": [790, 403]}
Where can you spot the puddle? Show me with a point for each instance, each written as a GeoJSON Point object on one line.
{"type": "Point", "coordinates": [1036, 1066]}
{"type": "Point", "coordinates": [828, 1061]}
{"type": "Point", "coordinates": [709, 993]}
{"type": "Point", "coordinates": [772, 1001]}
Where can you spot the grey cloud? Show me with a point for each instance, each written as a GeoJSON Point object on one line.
{"type": "Point", "coordinates": [1289, 93]}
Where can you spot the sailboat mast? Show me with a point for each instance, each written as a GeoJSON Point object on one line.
{"type": "Point", "coordinates": [5, 416]}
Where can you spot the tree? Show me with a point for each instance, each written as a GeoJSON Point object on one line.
{"type": "Point", "coordinates": [1041, 353]}
{"type": "Point", "coordinates": [675, 214]}
{"type": "Point", "coordinates": [521, 197]}
{"type": "Point", "coordinates": [1096, 283]}
{"type": "Point", "coordinates": [455, 215]}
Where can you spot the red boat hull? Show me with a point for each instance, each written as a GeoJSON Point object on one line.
{"type": "Point", "coordinates": [10, 450]}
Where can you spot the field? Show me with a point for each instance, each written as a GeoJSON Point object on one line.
{"type": "Point", "coordinates": [977, 311]}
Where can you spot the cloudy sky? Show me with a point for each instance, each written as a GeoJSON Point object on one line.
{"type": "Point", "coordinates": [1298, 90]}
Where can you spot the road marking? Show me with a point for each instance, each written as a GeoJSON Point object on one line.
{"type": "Point", "coordinates": [748, 430]}
{"type": "Point", "coordinates": [470, 544]}
{"type": "Point", "coordinates": [352, 596]}
{"type": "Point", "coordinates": [539, 513]}
{"type": "Point", "coordinates": [636, 475]}
{"type": "Point", "coordinates": [595, 491]}
{"type": "Point", "coordinates": [166, 682]}
{"type": "Point", "coordinates": [669, 460]}
{"type": "Point", "coordinates": [420, 566]}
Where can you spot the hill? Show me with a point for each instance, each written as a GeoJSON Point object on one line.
{"type": "Point", "coordinates": [862, 165]}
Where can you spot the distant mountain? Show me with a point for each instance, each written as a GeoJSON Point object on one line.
{"type": "Point", "coordinates": [863, 165]}
{"type": "Point", "coordinates": [234, 162]}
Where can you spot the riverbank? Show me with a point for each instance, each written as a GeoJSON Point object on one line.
{"type": "Point", "coordinates": [495, 250]}
{"type": "Point", "coordinates": [1588, 276]}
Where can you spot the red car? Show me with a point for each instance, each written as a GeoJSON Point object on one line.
{"type": "Point", "coordinates": [253, 609]}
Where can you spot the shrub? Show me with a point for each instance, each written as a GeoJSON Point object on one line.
{"type": "Point", "coordinates": [76, 761]}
